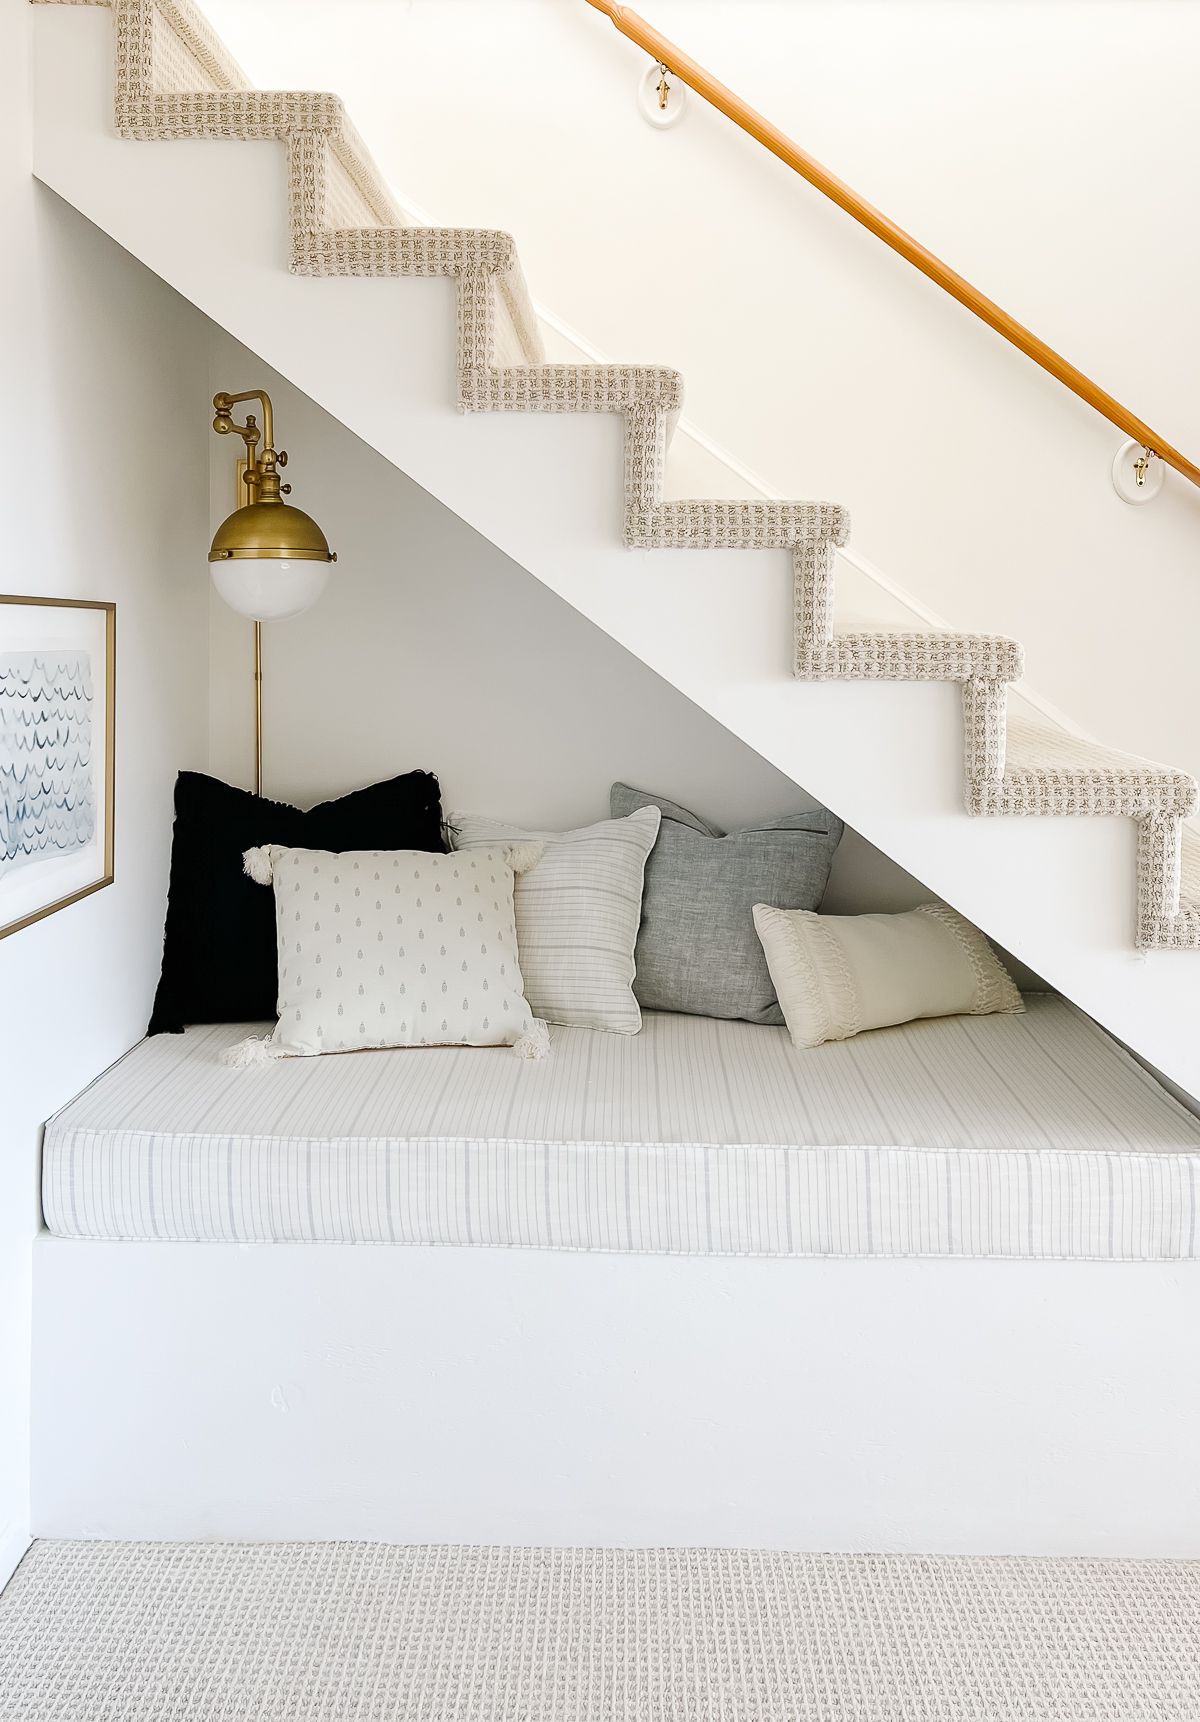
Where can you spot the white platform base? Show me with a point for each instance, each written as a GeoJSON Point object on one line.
{"type": "Point", "coordinates": [490, 1396]}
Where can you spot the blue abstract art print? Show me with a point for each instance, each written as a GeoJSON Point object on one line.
{"type": "Point", "coordinates": [56, 754]}
{"type": "Point", "coordinates": [47, 793]}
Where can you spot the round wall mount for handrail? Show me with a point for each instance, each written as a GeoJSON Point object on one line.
{"type": "Point", "coordinates": [1137, 473]}
{"type": "Point", "coordinates": [662, 97]}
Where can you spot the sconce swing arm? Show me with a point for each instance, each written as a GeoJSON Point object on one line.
{"type": "Point", "coordinates": [261, 476]}
{"type": "Point", "coordinates": [267, 527]}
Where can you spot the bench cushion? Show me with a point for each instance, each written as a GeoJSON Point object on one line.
{"type": "Point", "coordinates": [1031, 1135]}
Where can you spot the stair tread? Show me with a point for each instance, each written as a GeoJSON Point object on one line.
{"type": "Point", "coordinates": [872, 630]}
{"type": "Point", "coordinates": [1043, 747]}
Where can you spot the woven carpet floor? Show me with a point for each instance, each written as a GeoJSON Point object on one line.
{"type": "Point", "coordinates": [362, 1632]}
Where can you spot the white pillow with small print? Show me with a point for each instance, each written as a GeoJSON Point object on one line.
{"type": "Point", "coordinates": [389, 948]}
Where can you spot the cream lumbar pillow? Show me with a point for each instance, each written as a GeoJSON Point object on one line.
{"type": "Point", "coordinates": [395, 948]}
{"type": "Point", "coordinates": [836, 975]}
{"type": "Point", "coordinates": [578, 914]}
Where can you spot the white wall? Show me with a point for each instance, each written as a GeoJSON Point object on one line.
{"type": "Point", "coordinates": [431, 648]}
{"type": "Point", "coordinates": [103, 483]}
{"type": "Point", "coordinates": [1045, 147]}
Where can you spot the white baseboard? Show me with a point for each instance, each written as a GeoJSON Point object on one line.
{"type": "Point", "coordinates": [14, 1540]}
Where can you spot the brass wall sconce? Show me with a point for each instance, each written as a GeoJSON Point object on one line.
{"type": "Point", "coordinates": [269, 560]}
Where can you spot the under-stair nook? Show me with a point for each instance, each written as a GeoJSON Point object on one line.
{"type": "Point", "coordinates": [634, 1149]}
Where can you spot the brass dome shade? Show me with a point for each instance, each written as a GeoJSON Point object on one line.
{"type": "Point", "coordinates": [270, 528]}
{"type": "Point", "coordinates": [266, 528]}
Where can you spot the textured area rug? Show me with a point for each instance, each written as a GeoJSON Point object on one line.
{"type": "Point", "coordinates": [361, 1632]}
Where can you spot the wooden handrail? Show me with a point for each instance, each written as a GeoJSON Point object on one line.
{"type": "Point", "coordinates": [734, 108]}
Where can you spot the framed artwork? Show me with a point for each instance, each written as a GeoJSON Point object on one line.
{"type": "Point", "coordinates": [57, 754]}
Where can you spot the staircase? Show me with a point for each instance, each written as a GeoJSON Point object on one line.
{"type": "Point", "coordinates": [1092, 906]}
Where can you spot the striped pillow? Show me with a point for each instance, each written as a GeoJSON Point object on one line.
{"type": "Point", "coordinates": [578, 913]}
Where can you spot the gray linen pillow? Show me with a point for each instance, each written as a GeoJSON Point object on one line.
{"type": "Point", "coordinates": [697, 950]}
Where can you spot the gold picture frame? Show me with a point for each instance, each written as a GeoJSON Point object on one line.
{"type": "Point", "coordinates": [64, 869]}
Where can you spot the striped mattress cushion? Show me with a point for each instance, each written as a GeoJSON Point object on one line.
{"type": "Point", "coordinates": [1024, 1136]}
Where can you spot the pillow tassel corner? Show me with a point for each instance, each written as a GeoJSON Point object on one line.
{"type": "Point", "coordinates": [535, 1042]}
{"type": "Point", "coordinates": [254, 1050]}
{"type": "Point", "coordinates": [257, 864]}
{"type": "Point", "coordinates": [523, 857]}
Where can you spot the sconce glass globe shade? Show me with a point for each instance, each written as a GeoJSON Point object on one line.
{"type": "Point", "coordinates": [270, 560]}
{"type": "Point", "coordinates": [270, 590]}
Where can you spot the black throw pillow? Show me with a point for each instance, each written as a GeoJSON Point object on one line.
{"type": "Point", "coordinates": [219, 942]}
